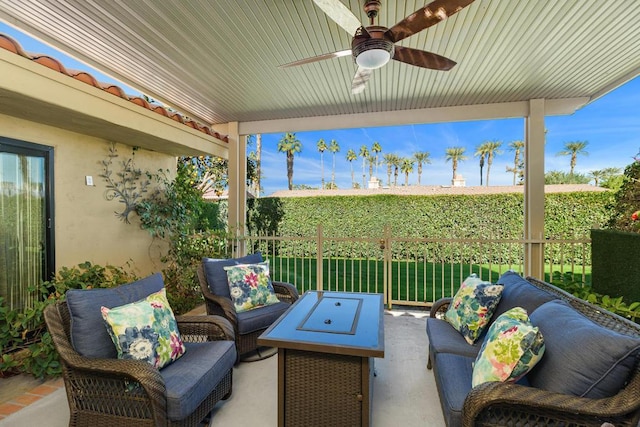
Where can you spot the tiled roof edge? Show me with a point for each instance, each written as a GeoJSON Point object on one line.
{"type": "Point", "coordinates": [12, 45]}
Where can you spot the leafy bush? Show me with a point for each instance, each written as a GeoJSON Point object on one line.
{"type": "Point", "coordinates": [26, 344]}
{"type": "Point", "coordinates": [493, 216]}
{"type": "Point", "coordinates": [574, 286]}
{"type": "Point", "coordinates": [177, 213]}
{"type": "Point", "coordinates": [627, 200]}
{"type": "Point", "coordinates": [559, 177]}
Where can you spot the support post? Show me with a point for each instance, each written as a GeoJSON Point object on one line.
{"type": "Point", "coordinates": [237, 187]}
{"type": "Point", "coordinates": [534, 190]}
{"type": "Point", "coordinates": [319, 258]}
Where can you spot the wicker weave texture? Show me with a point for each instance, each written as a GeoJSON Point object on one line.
{"type": "Point", "coordinates": [222, 306]}
{"type": "Point", "coordinates": [113, 392]}
{"type": "Point", "coordinates": [506, 404]}
{"type": "Point", "coordinates": [324, 390]}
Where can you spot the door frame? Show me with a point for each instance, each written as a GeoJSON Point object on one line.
{"type": "Point", "coordinates": [32, 149]}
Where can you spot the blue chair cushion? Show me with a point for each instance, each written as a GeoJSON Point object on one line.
{"type": "Point", "coordinates": [217, 276]}
{"type": "Point", "coordinates": [89, 335]}
{"type": "Point", "coordinates": [192, 378]}
{"type": "Point", "coordinates": [260, 318]}
{"type": "Point", "coordinates": [581, 358]}
{"type": "Point", "coordinates": [444, 338]}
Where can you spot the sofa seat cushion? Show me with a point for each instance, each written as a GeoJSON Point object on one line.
{"type": "Point", "coordinates": [196, 375]}
{"type": "Point", "coordinates": [217, 276]}
{"type": "Point", "coordinates": [453, 376]}
{"type": "Point", "coordinates": [444, 338]}
{"type": "Point", "coordinates": [89, 335]}
{"type": "Point", "coordinates": [581, 358]}
{"type": "Point", "coordinates": [518, 292]}
{"type": "Point", "coordinates": [260, 318]}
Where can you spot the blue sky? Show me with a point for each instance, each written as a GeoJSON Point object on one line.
{"type": "Point", "coordinates": [610, 125]}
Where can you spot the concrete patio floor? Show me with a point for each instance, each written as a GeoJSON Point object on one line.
{"type": "Point", "coordinates": [404, 391]}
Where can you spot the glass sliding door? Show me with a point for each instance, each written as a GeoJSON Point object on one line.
{"type": "Point", "coordinates": [26, 225]}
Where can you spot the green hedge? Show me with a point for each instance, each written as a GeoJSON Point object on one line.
{"type": "Point", "coordinates": [616, 270]}
{"type": "Point", "coordinates": [498, 216]}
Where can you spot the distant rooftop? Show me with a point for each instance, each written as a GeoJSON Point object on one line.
{"type": "Point", "coordinates": [434, 190]}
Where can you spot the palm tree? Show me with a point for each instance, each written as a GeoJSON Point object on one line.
{"type": "Point", "coordinates": [455, 154]}
{"type": "Point", "coordinates": [396, 167]}
{"type": "Point", "coordinates": [407, 167]}
{"type": "Point", "coordinates": [290, 145]}
{"type": "Point", "coordinates": [351, 156]}
{"type": "Point", "coordinates": [376, 148]}
{"type": "Point", "coordinates": [322, 146]}
{"type": "Point", "coordinates": [597, 176]}
{"type": "Point", "coordinates": [572, 149]}
{"type": "Point", "coordinates": [481, 151]}
{"type": "Point", "coordinates": [517, 147]}
{"type": "Point", "coordinates": [334, 147]}
{"type": "Point", "coordinates": [255, 157]}
{"type": "Point", "coordinates": [364, 152]}
{"type": "Point", "coordinates": [421, 157]}
{"type": "Point", "coordinates": [389, 159]}
{"type": "Point", "coordinates": [493, 149]}
{"type": "Point", "coordinates": [371, 161]}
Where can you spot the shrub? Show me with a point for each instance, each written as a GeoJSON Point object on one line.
{"type": "Point", "coordinates": [497, 216]}
{"type": "Point", "coordinates": [571, 284]}
{"type": "Point", "coordinates": [26, 344]}
{"type": "Point", "coordinates": [627, 200]}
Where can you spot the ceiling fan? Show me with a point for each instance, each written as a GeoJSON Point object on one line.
{"type": "Point", "coordinates": [372, 47]}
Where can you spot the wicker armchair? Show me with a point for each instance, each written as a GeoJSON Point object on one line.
{"type": "Point", "coordinates": [116, 392]}
{"type": "Point", "coordinates": [248, 325]}
{"type": "Point", "coordinates": [509, 404]}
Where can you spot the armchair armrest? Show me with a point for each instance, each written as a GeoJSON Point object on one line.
{"type": "Point", "coordinates": [285, 291]}
{"type": "Point", "coordinates": [220, 306]}
{"type": "Point", "coordinates": [205, 328]}
{"type": "Point", "coordinates": [514, 402]}
{"type": "Point", "coordinates": [440, 307]}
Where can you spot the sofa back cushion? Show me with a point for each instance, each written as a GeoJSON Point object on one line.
{"type": "Point", "coordinates": [581, 358]}
{"type": "Point", "coordinates": [518, 292]}
{"type": "Point", "coordinates": [89, 335]}
{"type": "Point", "coordinates": [217, 276]}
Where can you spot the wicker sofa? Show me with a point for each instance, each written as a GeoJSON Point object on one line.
{"type": "Point", "coordinates": [589, 374]}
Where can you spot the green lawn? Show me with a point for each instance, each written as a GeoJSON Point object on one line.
{"type": "Point", "coordinates": [410, 281]}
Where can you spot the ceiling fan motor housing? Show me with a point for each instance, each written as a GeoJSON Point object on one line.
{"type": "Point", "coordinates": [375, 44]}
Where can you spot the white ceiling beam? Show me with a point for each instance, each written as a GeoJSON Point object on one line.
{"type": "Point", "coordinates": [408, 117]}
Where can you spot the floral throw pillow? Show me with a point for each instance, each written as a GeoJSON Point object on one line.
{"type": "Point", "coordinates": [145, 330]}
{"type": "Point", "coordinates": [511, 348]}
{"type": "Point", "coordinates": [250, 286]}
{"type": "Point", "coordinates": [472, 307]}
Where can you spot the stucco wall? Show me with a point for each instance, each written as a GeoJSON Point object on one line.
{"type": "Point", "coordinates": [86, 228]}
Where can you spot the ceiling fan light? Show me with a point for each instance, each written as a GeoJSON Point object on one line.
{"type": "Point", "coordinates": [373, 58]}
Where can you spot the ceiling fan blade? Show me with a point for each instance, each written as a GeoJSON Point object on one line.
{"type": "Point", "coordinates": [431, 14]}
{"type": "Point", "coordinates": [423, 59]}
{"type": "Point", "coordinates": [339, 13]}
{"type": "Point", "coordinates": [317, 58]}
{"type": "Point", "coordinates": [360, 80]}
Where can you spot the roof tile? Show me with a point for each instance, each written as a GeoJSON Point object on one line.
{"type": "Point", "coordinates": [12, 45]}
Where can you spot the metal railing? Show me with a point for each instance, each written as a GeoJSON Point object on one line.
{"type": "Point", "coordinates": [409, 271]}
